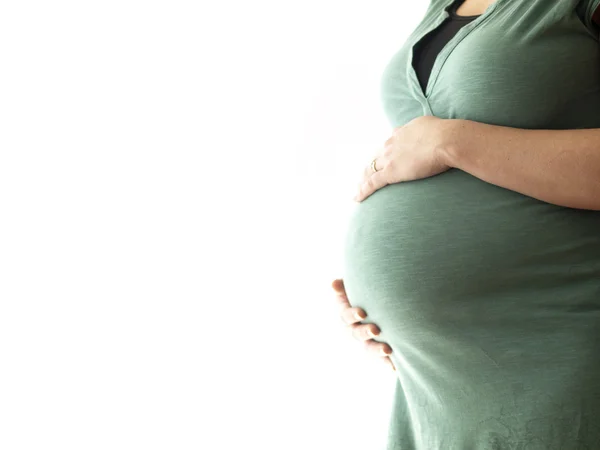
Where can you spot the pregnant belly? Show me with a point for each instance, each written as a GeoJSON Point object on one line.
{"type": "Point", "coordinates": [452, 251]}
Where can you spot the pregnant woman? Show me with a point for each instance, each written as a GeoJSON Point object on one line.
{"type": "Point", "coordinates": [474, 246]}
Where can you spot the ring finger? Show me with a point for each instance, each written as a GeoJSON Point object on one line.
{"type": "Point", "coordinates": [368, 170]}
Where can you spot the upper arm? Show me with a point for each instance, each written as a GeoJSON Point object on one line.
{"type": "Point", "coordinates": [596, 16]}
{"type": "Point", "coordinates": [589, 13]}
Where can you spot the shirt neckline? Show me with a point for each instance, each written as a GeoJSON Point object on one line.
{"type": "Point", "coordinates": [455, 16]}
{"type": "Point", "coordinates": [423, 95]}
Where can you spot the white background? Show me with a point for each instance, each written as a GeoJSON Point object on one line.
{"type": "Point", "coordinates": [174, 183]}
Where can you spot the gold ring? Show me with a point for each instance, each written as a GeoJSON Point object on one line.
{"type": "Point", "coordinates": [373, 165]}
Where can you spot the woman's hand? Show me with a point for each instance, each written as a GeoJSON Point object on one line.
{"type": "Point", "coordinates": [413, 152]}
{"type": "Point", "coordinates": [352, 316]}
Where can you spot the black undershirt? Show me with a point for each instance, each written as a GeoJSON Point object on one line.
{"type": "Point", "coordinates": [427, 49]}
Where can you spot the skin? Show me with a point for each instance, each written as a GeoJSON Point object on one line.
{"type": "Point", "coordinates": [567, 175]}
{"type": "Point", "coordinates": [476, 7]}
{"type": "Point", "coordinates": [561, 167]}
{"type": "Point", "coordinates": [352, 318]}
{"type": "Point", "coordinates": [473, 7]}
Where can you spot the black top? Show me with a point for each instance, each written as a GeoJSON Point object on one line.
{"type": "Point", "coordinates": [427, 49]}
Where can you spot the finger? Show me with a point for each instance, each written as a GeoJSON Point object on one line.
{"type": "Point", "coordinates": [380, 349]}
{"type": "Point", "coordinates": [352, 315]}
{"type": "Point", "coordinates": [368, 170]}
{"type": "Point", "coordinates": [364, 331]}
{"type": "Point", "coordinates": [376, 154]}
{"type": "Point", "coordinates": [338, 286]}
{"type": "Point", "coordinates": [389, 362]}
{"type": "Point", "coordinates": [342, 302]}
{"type": "Point", "coordinates": [375, 182]}
{"type": "Point", "coordinates": [340, 293]}
{"type": "Point", "coordinates": [379, 163]}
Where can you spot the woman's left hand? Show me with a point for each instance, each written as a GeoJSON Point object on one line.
{"type": "Point", "coordinates": [414, 151]}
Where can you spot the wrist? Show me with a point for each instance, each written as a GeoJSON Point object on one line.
{"type": "Point", "coordinates": [453, 146]}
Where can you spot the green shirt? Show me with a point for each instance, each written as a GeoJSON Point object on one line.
{"type": "Point", "coordinates": [489, 298]}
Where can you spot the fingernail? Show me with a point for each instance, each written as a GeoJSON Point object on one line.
{"type": "Point", "coordinates": [373, 334]}
{"type": "Point", "coordinates": [359, 316]}
{"type": "Point", "coordinates": [385, 352]}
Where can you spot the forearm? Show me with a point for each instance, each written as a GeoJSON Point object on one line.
{"type": "Point", "coordinates": [556, 166]}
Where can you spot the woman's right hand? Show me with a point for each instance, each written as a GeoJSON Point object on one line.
{"type": "Point", "coordinates": [361, 331]}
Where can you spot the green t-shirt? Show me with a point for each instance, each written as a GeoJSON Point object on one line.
{"type": "Point", "coordinates": [489, 298]}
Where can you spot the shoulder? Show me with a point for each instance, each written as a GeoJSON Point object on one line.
{"type": "Point", "coordinates": [589, 13]}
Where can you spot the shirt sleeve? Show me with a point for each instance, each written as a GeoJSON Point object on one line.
{"type": "Point", "coordinates": [586, 9]}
